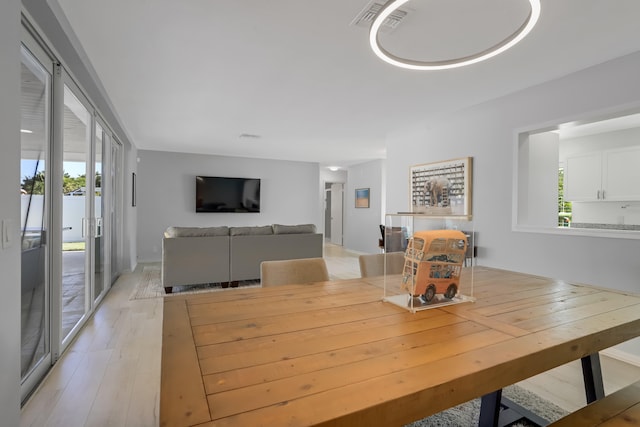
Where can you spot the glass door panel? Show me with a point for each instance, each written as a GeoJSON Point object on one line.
{"type": "Point", "coordinates": [99, 240]}
{"type": "Point", "coordinates": [115, 208]}
{"type": "Point", "coordinates": [76, 223]}
{"type": "Point", "coordinates": [34, 142]}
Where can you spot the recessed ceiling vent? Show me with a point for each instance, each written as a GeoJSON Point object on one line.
{"type": "Point", "coordinates": [368, 14]}
{"type": "Point", "coordinates": [249, 136]}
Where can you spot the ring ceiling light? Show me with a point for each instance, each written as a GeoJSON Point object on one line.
{"type": "Point", "coordinates": [505, 44]}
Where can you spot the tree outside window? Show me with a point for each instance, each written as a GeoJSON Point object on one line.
{"type": "Point", "coordinates": [564, 207]}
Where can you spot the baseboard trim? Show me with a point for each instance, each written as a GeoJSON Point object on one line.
{"type": "Point", "coordinates": [622, 356]}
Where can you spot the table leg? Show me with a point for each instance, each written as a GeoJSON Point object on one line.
{"type": "Point", "coordinates": [592, 374]}
{"type": "Point", "coordinates": [498, 411]}
{"type": "Point", "coordinates": [490, 409]}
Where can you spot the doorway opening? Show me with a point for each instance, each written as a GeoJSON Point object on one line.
{"type": "Point", "coordinates": [334, 212]}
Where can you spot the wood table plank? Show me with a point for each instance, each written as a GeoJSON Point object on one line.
{"type": "Point", "coordinates": [402, 363]}
{"type": "Point", "coordinates": [324, 340]}
{"type": "Point", "coordinates": [318, 357]}
{"type": "Point", "coordinates": [213, 313]}
{"type": "Point", "coordinates": [182, 399]}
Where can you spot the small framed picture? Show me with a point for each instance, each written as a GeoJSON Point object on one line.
{"type": "Point", "coordinates": [362, 198]}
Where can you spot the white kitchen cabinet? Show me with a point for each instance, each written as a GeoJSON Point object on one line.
{"type": "Point", "coordinates": [609, 175]}
{"type": "Point", "coordinates": [583, 177]}
{"type": "Point", "coordinates": [622, 178]}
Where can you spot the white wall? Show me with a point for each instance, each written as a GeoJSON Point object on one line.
{"type": "Point", "coordinates": [538, 180]}
{"type": "Point", "coordinates": [166, 194]}
{"type": "Point", "coordinates": [332, 176]}
{"type": "Point", "coordinates": [617, 213]}
{"type": "Point", "coordinates": [362, 225]}
{"type": "Point", "coordinates": [130, 226]}
{"type": "Point", "coordinates": [488, 133]}
{"type": "Point", "coordinates": [10, 211]}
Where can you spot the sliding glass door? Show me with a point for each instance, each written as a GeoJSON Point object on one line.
{"type": "Point", "coordinates": [103, 197]}
{"type": "Point", "coordinates": [76, 213]}
{"type": "Point", "coordinates": [34, 220]}
{"type": "Point", "coordinates": [99, 241]}
{"type": "Point", "coordinates": [86, 254]}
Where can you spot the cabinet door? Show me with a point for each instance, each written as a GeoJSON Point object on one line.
{"type": "Point", "coordinates": [621, 177]}
{"type": "Point", "coordinates": [583, 177]}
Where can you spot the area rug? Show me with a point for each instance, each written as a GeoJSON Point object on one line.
{"type": "Point", "coordinates": [150, 286]}
{"type": "Point", "coordinates": [467, 414]}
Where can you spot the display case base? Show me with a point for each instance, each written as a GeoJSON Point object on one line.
{"type": "Point", "coordinates": [414, 304]}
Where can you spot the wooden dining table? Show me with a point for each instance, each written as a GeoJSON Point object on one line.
{"type": "Point", "coordinates": [335, 353]}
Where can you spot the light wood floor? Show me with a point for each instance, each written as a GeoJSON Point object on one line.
{"type": "Point", "coordinates": [110, 376]}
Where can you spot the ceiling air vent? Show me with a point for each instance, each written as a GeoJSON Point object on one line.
{"type": "Point", "coordinates": [249, 136]}
{"type": "Point", "coordinates": [368, 14]}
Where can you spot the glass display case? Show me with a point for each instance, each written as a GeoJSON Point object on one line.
{"type": "Point", "coordinates": [438, 260]}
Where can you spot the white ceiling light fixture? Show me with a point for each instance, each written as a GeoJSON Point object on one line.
{"type": "Point", "coordinates": [333, 168]}
{"type": "Point", "coordinates": [410, 64]}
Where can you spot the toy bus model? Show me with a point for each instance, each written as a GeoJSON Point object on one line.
{"type": "Point", "coordinates": [433, 262]}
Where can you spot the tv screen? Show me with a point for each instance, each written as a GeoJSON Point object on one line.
{"type": "Point", "coordinates": [219, 194]}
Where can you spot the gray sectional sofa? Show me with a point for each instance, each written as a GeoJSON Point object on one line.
{"type": "Point", "coordinates": [194, 255]}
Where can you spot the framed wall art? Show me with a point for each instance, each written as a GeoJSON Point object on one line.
{"type": "Point", "coordinates": [362, 198]}
{"type": "Point", "coordinates": [442, 188]}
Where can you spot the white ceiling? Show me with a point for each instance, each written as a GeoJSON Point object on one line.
{"type": "Point", "coordinates": [194, 75]}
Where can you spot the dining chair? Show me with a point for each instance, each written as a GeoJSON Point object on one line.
{"type": "Point", "coordinates": [373, 265]}
{"type": "Point", "coordinates": [305, 270]}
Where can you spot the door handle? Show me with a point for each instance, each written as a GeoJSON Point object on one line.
{"type": "Point", "coordinates": [98, 227]}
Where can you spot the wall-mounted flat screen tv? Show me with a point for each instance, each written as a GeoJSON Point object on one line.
{"type": "Point", "coordinates": [220, 194]}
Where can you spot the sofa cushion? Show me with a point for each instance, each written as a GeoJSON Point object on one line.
{"type": "Point", "coordinates": [251, 231]}
{"type": "Point", "coordinates": [294, 229]}
{"type": "Point", "coordinates": [196, 231]}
